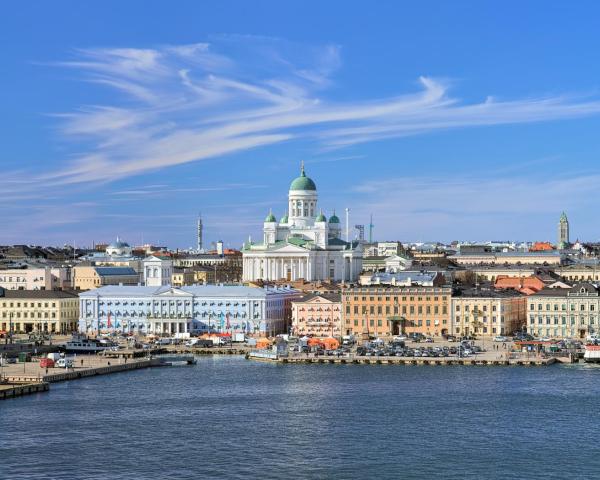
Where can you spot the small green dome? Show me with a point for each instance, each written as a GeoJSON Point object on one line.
{"type": "Point", "coordinates": [334, 219]}
{"type": "Point", "coordinates": [321, 218]}
{"type": "Point", "coordinates": [303, 182]}
{"type": "Point", "coordinates": [270, 218]}
{"type": "Point", "coordinates": [284, 219]}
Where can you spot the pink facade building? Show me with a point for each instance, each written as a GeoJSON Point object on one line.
{"type": "Point", "coordinates": [318, 315]}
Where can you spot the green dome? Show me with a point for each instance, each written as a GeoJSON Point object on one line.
{"type": "Point", "coordinates": [303, 182]}
{"type": "Point", "coordinates": [334, 219]}
{"type": "Point", "coordinates": [270, 218]}
{"type": "Point", "coordinates": [321, 218]}
{"type": "Point", "coordinates": [284, 219]}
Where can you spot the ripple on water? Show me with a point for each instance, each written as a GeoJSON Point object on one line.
{"type": "Point", "coordinates": [230, 418]}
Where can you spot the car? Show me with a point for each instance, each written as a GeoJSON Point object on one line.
{"type": "Point", "coordinates": [500, 338]}
{"type": "Point", "coordinates": [429, 340]}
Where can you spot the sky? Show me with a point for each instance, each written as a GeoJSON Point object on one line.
{"type": "Point", "coordinates": [463, 120]}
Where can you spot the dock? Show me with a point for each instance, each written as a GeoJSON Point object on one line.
{"type": "Point", "coordinates": [435, 361]}
{"type": "Point", "coordinates": [20, 389]}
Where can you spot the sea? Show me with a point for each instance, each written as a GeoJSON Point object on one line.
{"type": "Point", "coordinates": [230, 418]}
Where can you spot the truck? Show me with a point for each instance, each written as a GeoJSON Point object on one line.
{"type": "Point", "coordinates": [238, 338]}
{"type": "Point", "coordinates": [46, 363]}
{"type": "Point", "coordinates": [54, 356]}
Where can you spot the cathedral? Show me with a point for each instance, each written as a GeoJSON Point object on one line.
{"type": "Point", "coordinates": [304, 244]}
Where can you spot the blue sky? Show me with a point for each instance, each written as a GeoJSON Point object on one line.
{"type": "Point", "coordinates": [446, 120]}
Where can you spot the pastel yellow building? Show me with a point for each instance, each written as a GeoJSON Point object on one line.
{"type": "Point", "coordinates": [50, 311]}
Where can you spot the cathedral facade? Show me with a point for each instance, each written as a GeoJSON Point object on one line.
{"type": "Point", "coordinates": [303, 244]}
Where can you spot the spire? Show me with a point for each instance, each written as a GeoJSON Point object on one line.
{"type": "Point", "coordinates": [302, 173]}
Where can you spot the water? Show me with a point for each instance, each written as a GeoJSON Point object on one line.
{"type": "Point", "coordinates": [227, 417]}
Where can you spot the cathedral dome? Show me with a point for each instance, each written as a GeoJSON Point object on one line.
{"type": "Point", "coordinates": [270, 217]}
{"type": "Point", "coordinates": [334, 219]}
{"type": "Point", "coordinates": [303, 182]}
{"type": "Point", "coordinates": [321, 218]}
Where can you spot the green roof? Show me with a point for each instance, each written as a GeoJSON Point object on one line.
{"type": "Point", "coordinates": [270, 217]}
{"type": "Point", "coordinates": [303, 182]}
{"type": "Point", "coordinates": [284, 219]}
{"type": "Point", "coordinates": [334, 219]}
{"type": "Point", "coordinates": [321, 218]}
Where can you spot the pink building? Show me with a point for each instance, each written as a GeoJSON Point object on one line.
{"type": "Point", "coordinates": [318, 314]}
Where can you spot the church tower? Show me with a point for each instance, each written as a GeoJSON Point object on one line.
{"type": "Point", "coordinates": [563, 231]}
{"type": "Point", "coordinates": [302, 201]}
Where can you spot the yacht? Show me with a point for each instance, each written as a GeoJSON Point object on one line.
{"type": "Point", "coordinates": [81, 344]}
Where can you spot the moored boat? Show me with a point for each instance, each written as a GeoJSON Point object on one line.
{"type": "Point", "coordinates": [592, 353]}
{"type": "Point", "coordinates": [82, 344]}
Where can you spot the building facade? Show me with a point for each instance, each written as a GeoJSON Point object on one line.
{"type": "Point", "coordinates": [38, 311]}
{"type": "Point", "coordinates": [89, 277]}
{"type": "Point", "coordinates": [157, 271]}
{"type": "Point", "coordinates": [564, 312]}
{"type": "Point", "coordinates": [318, 315]}
{"type": "Point", "coordinates": [200, 308]}
{"type": "Point", "coordinates": [303, 244]}
{"type": "Point", "coordinates": [43, 278]}
{"type": "Point", "coordinates": [488, 312]}
{"type": "Point", "coordinates": [383, 311]}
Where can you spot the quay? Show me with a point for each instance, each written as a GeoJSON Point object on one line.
{"type": "Point", "coordinates": [29, 378]}
{"type": "Point", "coordinates": [359, 360]}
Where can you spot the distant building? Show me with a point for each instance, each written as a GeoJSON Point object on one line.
{"type": "Point", "coordinates": [563, 231]}
{"type": "Point", "coordinates": [541, 246]}
{"type": "Point", "coordinates": [35, 278]}
{"type": "Point", "coordinates": [551, 257]}
{"type": "Point", "coordinates": [226, 266]}
{"type": "Point", "coordinates": [564, 312]}
{"type": "Point", "coordinates": [39, 311]}
{"type": "Point", "coordinates": [201, 308]}
{"type": "Point", "coordinates": [526, 285]}
{"type": "Point", "coordinates": [183, 277]}
{"type": "Point", "coordinates": [157, 271]}
{"type": "Point", "coordinates": [404, 279]}
{"type": "Point", "coordinates": [317, 315]}
{"type": "Point", "coordinates": [488, 312]}
{"type": "Point", "coordinates": [118, 249]}
{"type": "Point", "coordinates": [89, 277]}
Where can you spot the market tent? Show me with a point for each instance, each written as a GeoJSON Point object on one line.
{"type": "Point", "coordinates": [330, 343]}
{"type": "Point", "coordinates": [313, 342]}
{"type": "Point", "coordinates": [263, 343]}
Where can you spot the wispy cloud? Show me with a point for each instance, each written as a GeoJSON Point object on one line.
{"type": "Point", "coordinates": [185, 103]}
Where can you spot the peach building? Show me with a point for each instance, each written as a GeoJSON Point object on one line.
{"type": "Point", "coordinates": [384, 311]}
{"type": "Point", "coordinates": [318, 315]}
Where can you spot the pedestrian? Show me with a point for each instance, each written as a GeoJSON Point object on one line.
{"type": "Point", "coordinates": [82, 362]}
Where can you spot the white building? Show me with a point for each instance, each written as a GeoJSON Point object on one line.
{"type": "Point", "coordinates": [199, 308]}
{"type": "Point", "coordinates": [118, 249]}
{"type": "Point", "coordinates": [303, 244]}
{"type": "Point", "coordinates": [44, 278]}
{"type": "Point", "coordinates": [157, 271]}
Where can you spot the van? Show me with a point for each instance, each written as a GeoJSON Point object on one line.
{"type": "Point", "coordinates": [64, 363]}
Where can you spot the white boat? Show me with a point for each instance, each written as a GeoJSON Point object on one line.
{"type": "Point", "coordinates": [81, 344]}
{"type": "Point", "coordinates": [592, 354]}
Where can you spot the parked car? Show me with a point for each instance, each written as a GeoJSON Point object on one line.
{"type": "Point", "coordinates": [500, 338]}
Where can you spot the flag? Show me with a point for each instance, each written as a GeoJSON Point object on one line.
{"type": "Point", "coordinates": [222, 321]}
{"type": "Point", "coordinates": [228, 324]}
{"type": "Point", "coordinates": [108, 324]}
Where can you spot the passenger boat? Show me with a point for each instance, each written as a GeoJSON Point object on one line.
{"type": "Point", "coordinates": [82, 344]}
{"type": "Point", "coordinates": [592, 354]}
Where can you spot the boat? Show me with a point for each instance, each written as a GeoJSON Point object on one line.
{"type": "Point", "coordinates": [82, 344]}
{"type": "Point", "coordinates": [592, 353]}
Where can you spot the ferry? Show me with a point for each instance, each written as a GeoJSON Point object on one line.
{"type": "Point", "coordinates": [81, 344]}
{"type": "Point", "coordinates": [592, 353]}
